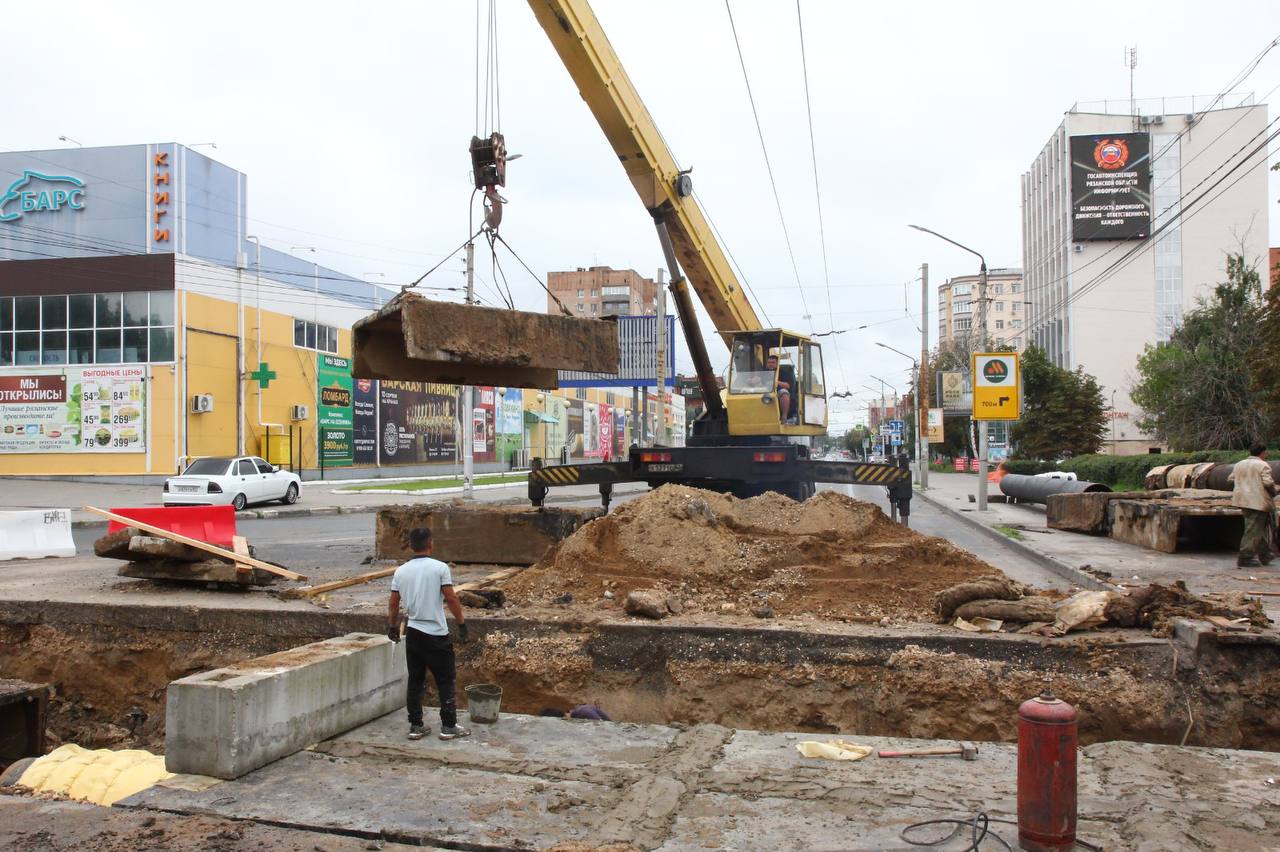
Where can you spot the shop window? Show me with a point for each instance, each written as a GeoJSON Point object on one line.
{"type": "Point", "coordinates": [109, 310]}
{"type": "Point", "coordinates": [53, 313]}
{"type": "Point", "coordinates": [26, 315]}
{"type": "Point", "coordinates": [135, 346]}
{"type": "Point", "coordinates": [106, 348]}
{"type": "Point", "coordinates": [26, 348]}
{"type": "Point", "coordinates": [310, 335]}
{"type": "Point", "coordinates": [161, 344]}
{"type": "Point", "coordinates": [80, 347]}
{"type": "Point", "coordinates": [53, 347]}
{"type": "Point", "coordinates": [80, 311]}
{"type": "Point", "coordinates": [102, 328]}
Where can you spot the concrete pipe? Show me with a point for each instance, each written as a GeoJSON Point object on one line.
{"type": "Point", "coordinates": [1036, 489]}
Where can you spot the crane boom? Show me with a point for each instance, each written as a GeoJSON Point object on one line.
{"type": "Point", "coordinates": [578, 38]}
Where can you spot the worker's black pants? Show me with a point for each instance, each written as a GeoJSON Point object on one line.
{"type": "Point", "coordinates": [423, 651]}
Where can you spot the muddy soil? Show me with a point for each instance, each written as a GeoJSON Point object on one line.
{"type": "Point", "coordinates": [831, 557]}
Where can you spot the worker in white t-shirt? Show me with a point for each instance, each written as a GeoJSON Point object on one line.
{"type": "Point", "coordinates": [425, 586]}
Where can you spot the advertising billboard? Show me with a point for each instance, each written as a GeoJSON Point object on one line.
{"type": "Point", "coordinates": [419, 422]}
{"type": "Point", "coordinates": [334, 410]}
{"type": "Point", "coordinates": [1111, 186]}
{"type": "Point", "coordinates": [75, 409]}
{"type": "Point", "coordinates": [997, 386]}
{"type": "Point", "coordinates": [96, 410]}
{"type": "Point", "coordinates": [364, 421]}
{"type": "Point", "coordinates": [510, 426]}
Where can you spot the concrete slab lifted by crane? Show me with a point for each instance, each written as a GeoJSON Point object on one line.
{"type": "Point", "coordinates": [416, 339]}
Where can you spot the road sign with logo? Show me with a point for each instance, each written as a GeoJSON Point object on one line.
{"type": "Point", "coordinates": [997, 386]}
{"type": "Point", "coordinates": [933, 431]}
{"type": "Point", "coordinates": [953, 392]}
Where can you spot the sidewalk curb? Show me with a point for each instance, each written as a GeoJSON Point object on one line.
{"type": "Point", "coordinates": [311, 511]}
{"type": "Point", "coordinates": [1062, 569]}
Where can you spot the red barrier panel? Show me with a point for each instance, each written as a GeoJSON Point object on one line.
{"type": "Point", "coordinates": [214, 524]}
{"type": "Point", "coordinates": [973, 465]}
{"type": "Point", "coordinates": [960, 465]}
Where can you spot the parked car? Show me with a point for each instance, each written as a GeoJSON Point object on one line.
{"type": "Point", "coordinates": [238, 481]}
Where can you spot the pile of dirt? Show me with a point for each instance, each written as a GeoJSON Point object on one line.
{"type": "Point", "coordinates": [831, 557]}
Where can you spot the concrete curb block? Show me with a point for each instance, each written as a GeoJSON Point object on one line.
{"type": "Point", "coordinates": [1062, 569]}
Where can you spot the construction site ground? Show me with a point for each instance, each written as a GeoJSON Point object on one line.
{"type": "Point", "coordinates": [113, 645]}
{"type": "Point", "coordinates": [1080, 556]}
{"type": "Point", "coordinates": [537, 783]}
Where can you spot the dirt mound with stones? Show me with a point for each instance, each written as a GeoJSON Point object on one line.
{"type": "Point", "coordinates": [831, 557]}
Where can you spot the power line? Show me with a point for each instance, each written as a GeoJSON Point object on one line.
{"type": "Point", "coordinates": [768, 165]}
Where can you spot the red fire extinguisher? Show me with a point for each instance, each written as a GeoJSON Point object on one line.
{"type": "Point", "coordinates": [1046, 774]}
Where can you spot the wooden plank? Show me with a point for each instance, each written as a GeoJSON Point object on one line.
{"type": "Point", "coordinates": [240, 546]}
{"type": "Point", "coordinates": [312, 591]}
{"type": "Point", "coordinates": [198, 544]}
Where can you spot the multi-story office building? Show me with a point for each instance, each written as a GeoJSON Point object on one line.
{"type": "Point", "coordinates": [1128, 215]}
{"type": "Point", "coordinates": [959, 310]}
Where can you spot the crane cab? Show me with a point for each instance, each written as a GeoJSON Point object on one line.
{"type": "Point", "coordinates": [776, 385]}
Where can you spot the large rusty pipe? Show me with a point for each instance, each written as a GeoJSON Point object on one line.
{"type": "Point", "coordinates": [1037, 489]}
{"type": "Point", "coordinates": [1216, 478]}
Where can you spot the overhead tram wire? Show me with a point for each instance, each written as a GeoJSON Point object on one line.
{"type": "Point", "coordinates": [817, 193]}
{"type": "Point", "coordinates": [768, 164]}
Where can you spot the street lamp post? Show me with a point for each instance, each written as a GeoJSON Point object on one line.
{"type": "Point", "coordinates": [922, 449]}
{"type": "Point", "coordinates": [982, 330]}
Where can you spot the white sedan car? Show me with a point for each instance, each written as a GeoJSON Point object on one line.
{"type": "Point", "coordinates": [222, 480]}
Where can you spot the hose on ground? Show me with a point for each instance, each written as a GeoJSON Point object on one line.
{"type": "Point", "coordinates": [979, 826]}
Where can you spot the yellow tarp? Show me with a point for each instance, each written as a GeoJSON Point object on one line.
{"type": "Point", "coordinates": [100, 776]}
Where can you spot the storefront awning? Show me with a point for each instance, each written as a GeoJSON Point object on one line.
{"type": "Point", "coordinates": [539, 417]}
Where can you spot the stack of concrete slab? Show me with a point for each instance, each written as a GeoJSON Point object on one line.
{"type": "Point", "coordinates": [230, 721]}
{"type": "Point", "coordinates": [1152, 519]}
{"type": "Point", "coordinates": [151, 557]}
{"type": "Point", "coordinates": [485, 535]}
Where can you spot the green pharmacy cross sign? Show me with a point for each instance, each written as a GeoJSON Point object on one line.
{"type": "Point", "coordinates": [263, 375]}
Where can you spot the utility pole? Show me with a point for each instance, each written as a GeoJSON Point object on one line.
{"type": "Point", "coordinates": [465, 421]}
{"type": "Point", "coordinates": [922, 380]}
{"type": "Point", "coordinates": [660, 359]}
{"type": "Point", "coordinates": [982, 424]}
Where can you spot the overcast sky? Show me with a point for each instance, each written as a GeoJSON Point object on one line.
{"type": "Point", "coordinates": [352, 122]}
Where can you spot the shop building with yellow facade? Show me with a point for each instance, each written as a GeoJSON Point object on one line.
{"type": "Point", "coordinates": [142, 325]}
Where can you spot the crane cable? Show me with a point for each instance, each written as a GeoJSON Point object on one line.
{"type": "Point", "coordinates": [768, 165]}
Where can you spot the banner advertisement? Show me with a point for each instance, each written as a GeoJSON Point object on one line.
{"type": "Point", "coordinates": [419, 422]}
{"type": "Point", "coordinates": [619, 433]}
{"type": "Point", "coordinates": [1111, 186]}
{"type": "Point", "coordinates": [590, 430]}
{"type": "Point", "coordinates": [574, 438]}
{"type": "Point", "coordinates": [483, 424]}
{"type": "Point", "coordinates": [934, 432]}
{"type": "Point", "coordinates": [997, 386]}
{"type": "Point", "coordinates": [510, 424]}
{"type": "Point", "coordinates": [364, 421]}
{"type": "Point", "coordinates": [75, 409]}
{"type": "Point", "coordinates": [606, 432]}
{"type": "Point", "coordinates": [557, 433]}
{"type": "Point", "coordinates": [334, 410]}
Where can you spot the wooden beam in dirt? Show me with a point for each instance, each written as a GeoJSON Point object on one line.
{"type": "Point", "coordinates": [312, 591]}
{"type": "Point", "coordinates": [228, 555]}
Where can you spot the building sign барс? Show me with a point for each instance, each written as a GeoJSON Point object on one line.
{"type": "Point", "coordinates": [1111, 187]}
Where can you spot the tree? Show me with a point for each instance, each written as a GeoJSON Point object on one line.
{"type": "Point", "coordinates": [1063, 412]}
{"type": "Point", "coordinates": [1204, 389]}
{"type": "Point", "coordinates": [1264, 361]}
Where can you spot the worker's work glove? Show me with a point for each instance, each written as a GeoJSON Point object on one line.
{"type": "Point", "coordinates": [393, 632]}
{"type": "Point", "coordinates": [464, 635]}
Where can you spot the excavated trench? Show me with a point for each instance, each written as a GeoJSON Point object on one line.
{"type": "Point", "coordinates": [110, 666]}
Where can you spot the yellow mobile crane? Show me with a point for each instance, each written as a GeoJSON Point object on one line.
{"type": "Point", "coordinates": [745, 442]}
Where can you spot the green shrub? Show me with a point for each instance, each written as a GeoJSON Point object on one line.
{"type": "Point", "coordinates": [1029, 467]}
{"type": "Point", "coordinates": [1115, 470]}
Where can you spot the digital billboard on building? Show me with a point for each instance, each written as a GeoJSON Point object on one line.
{"type": "Point", "coordinates": [1111, 186]}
